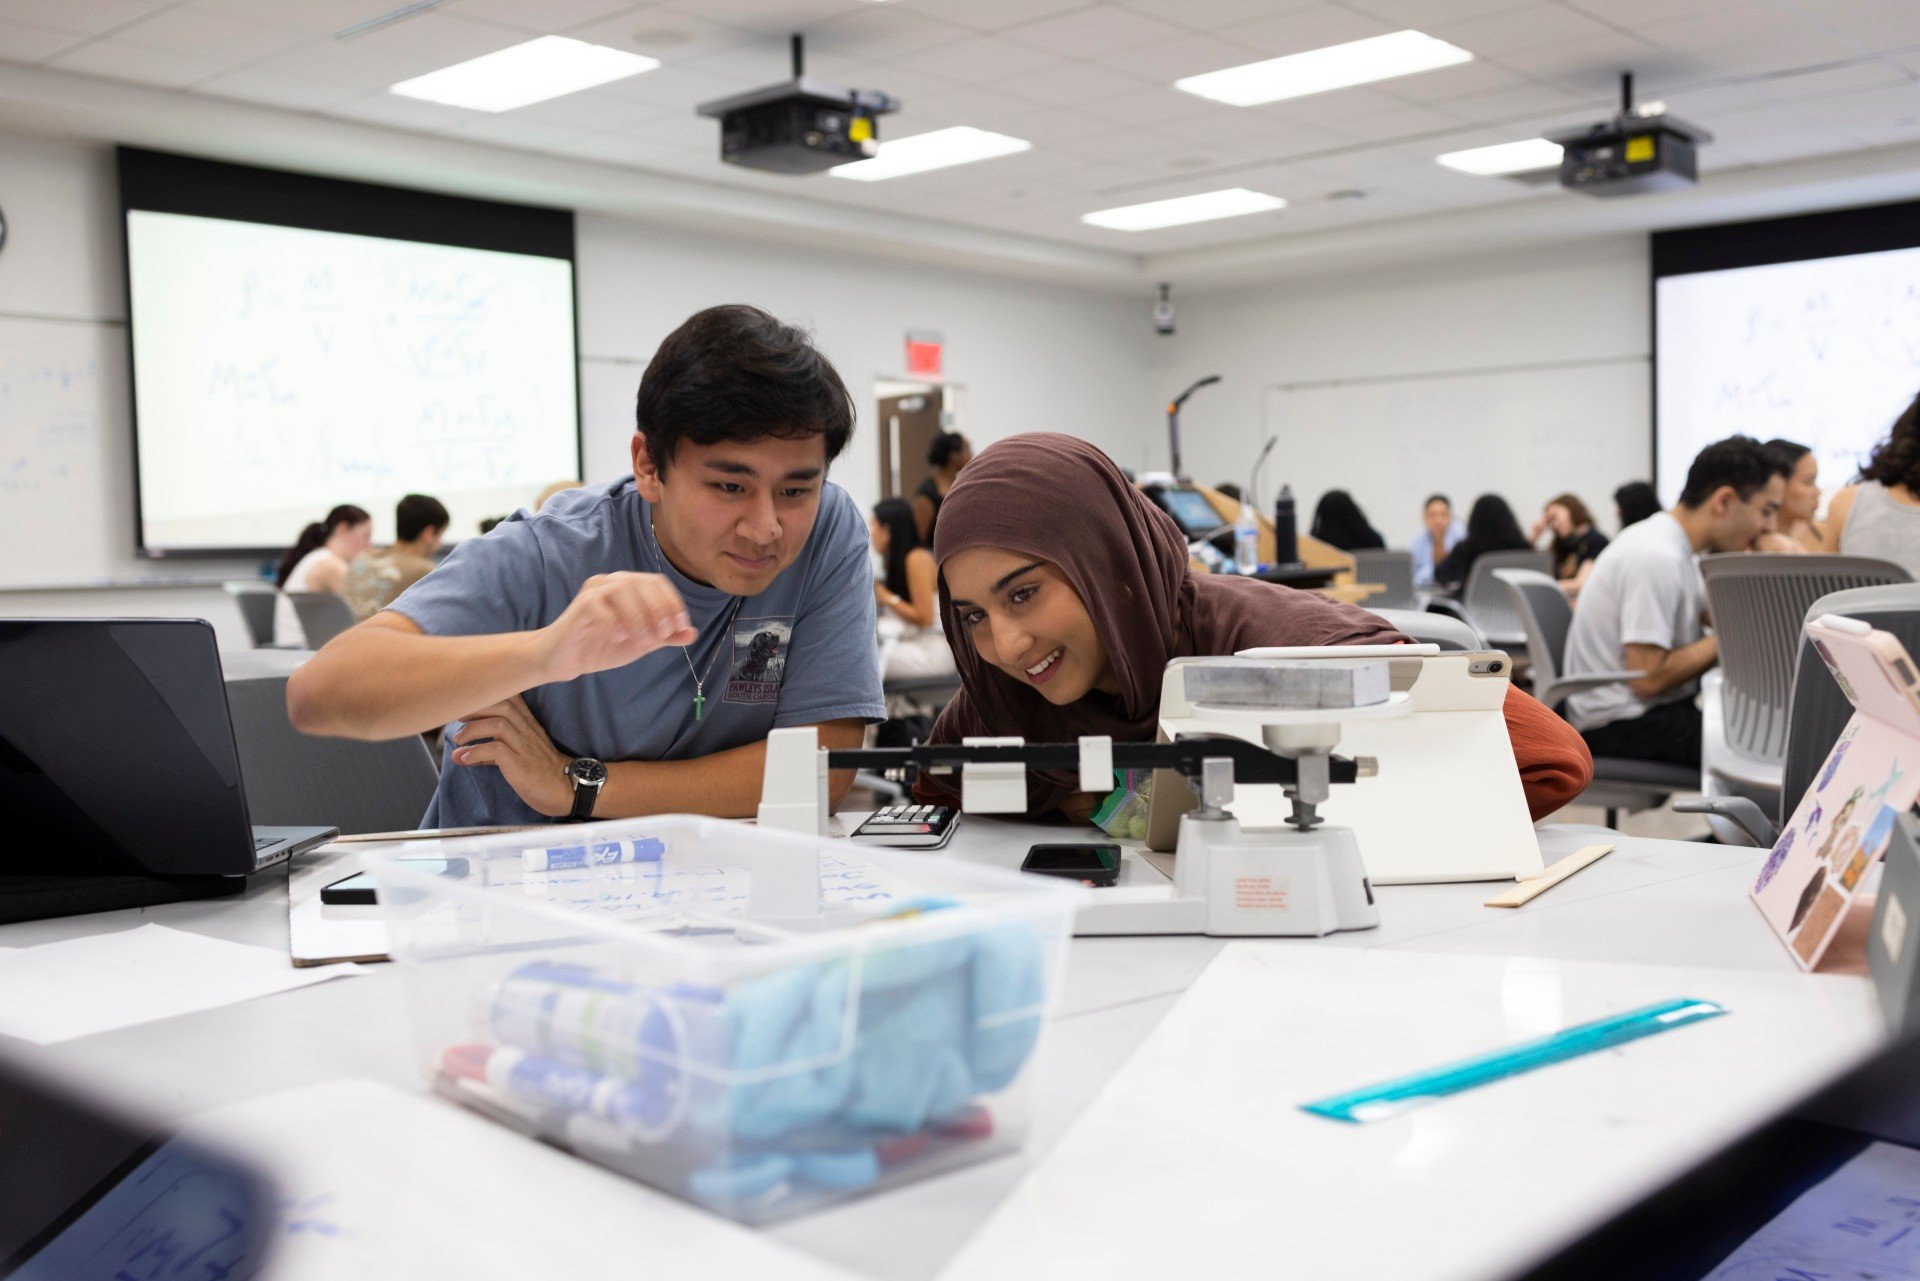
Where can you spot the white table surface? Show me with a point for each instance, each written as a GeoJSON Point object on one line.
{"type": "Point", "coordinates": [1653, 904]}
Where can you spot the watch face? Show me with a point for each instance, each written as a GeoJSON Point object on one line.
{"type": "Point", "coordinates": [587, 770]}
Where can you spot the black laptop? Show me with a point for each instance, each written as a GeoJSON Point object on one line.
{"type": "Point", "coordinates": [117, 760]}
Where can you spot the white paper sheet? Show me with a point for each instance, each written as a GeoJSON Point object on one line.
{"type": "Point", "coordinates": [380, 1182]}
{"type": "Point", "coordinates": [1863, 1220]}
{"type": "Point", "coordinates": [57, 991]}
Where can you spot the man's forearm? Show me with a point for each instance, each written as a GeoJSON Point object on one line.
{"type": "Point", "coordinates": [380, 682]}
{"type": "Point", "coordinates": [723, 785]}
{"type": "Point", "coordinates": [1679, 667]}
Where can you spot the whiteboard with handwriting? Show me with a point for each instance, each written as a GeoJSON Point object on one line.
{"type": "Point", "coordinates": [1825, 352]}
{"type": "Point", "coordinates": [279, 371]}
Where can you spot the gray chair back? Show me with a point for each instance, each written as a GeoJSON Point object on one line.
{"type": "Point", "coordinates": [256, 601]}
{"type": "Point", "coordinates": [1546, 617]}
{"type": "Point", "coordinates": [294, 780]}
{"type": "Point", "coordinates": [1759, 608]}
{"type": "Point", "coordinates": [1444, 630]}
{"type": "Point", "coordinates": [1488, 604]}
{"type": "Point", "coordinates": [1393, 571]}
{"type": "Point", "coordinates": [1816, 710]}
{"type": "Point", "coordinates": [322, 615]}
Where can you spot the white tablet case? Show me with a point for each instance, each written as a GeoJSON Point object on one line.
{"type": "Point", "coordinates": [1447, 804]}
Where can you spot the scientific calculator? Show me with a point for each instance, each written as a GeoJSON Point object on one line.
{"type": "Point", "coordinates": [914, 827]}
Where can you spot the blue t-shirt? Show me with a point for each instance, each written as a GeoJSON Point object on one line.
{"type": "Point", "coordinates": [799, 653]}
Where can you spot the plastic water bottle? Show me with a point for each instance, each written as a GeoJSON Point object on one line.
{"type": "Point", "coordinates": [1246, 540]}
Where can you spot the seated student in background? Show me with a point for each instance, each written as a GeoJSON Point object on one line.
{"type": "Point", "coordinates": [651, 631]}
{"type": "Point", "coordinates": [1066, 592]}
{"type": "Point", "coordinates": [1880, 515]}
{"type": "Point", "coordinates": [907, 590]}
{"type": "Point", "coordinates": [1634, 501]}
{"type": "Point", "coordinates": [1644, 608]}
{"type": "Point", "coordinates": [382, 573]}
{"type": "Point", "coordinates": [1798, 531]}
{"type": "Point", "coordinates": [1339, 522]}
{"type": "Point", "coordinates": [1574, 543]}
{"type": "Point", "coordinates": [948, 453]}
{"type": "Point", "coordinates": [1491, 527]}
{"type": "Point", "coordinates": [318, 562]}
{"type": "Point", "coordinates": [1439, 534]}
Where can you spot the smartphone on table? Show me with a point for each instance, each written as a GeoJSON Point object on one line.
{"type": "Point", "coordinates": [1094, 863]}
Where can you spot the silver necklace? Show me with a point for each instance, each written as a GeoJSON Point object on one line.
{"type": "Point", "coordinates": [726, 640]}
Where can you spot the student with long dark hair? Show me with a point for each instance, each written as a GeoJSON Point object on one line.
{"type": "Point", "coordinates": [947, 454]}
{"type": "Point", "coordinates": [1065, 592]}
{"type": "Point", "coordinates": [1491, 527]}
{"type": "Point", "coordinates": [318, 562]}
{"type": "Point", "coordinates": [1799, 531]}
{"type": "Point", "coordinates": [906, 590]}
{"type": "Point", "coordinates": [379, 575]}
{"type": "Point", "coordinates": [1880, 515]}
{"type": "Point", "coordinates": [1339, 522]}
{"type": "Point", "coordinates": [1574, 541]}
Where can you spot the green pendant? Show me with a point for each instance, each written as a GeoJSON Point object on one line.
{"type": "Point", "coordinates": [699, 706]}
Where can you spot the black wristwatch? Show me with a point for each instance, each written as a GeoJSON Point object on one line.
{"type": "Point", "coordinates": [588, 777]}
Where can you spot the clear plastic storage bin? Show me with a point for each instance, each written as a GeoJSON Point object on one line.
{"type": "Point", "coordinates": [758, 1022]}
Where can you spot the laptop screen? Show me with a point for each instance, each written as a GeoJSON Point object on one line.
{"type": "Point", "coordinates": [116, 751]}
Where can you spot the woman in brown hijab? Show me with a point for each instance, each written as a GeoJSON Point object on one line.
{"type": "Point", "coordinates": [1064, 593]}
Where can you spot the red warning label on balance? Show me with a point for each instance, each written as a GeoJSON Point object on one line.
{"type": "Point", "coordinates": [1259, 894]}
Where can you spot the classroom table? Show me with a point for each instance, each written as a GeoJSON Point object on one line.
{"type": "Point", "coordinates": [1672, 907]}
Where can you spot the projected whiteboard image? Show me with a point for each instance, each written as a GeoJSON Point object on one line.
{"type": "Point", "coordinates": [279, 371]}
{"type": "Point", "coordinates": [1824, 351]}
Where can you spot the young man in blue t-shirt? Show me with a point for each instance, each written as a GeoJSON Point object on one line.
{"type": "Point", "coordinates": [626, 650]}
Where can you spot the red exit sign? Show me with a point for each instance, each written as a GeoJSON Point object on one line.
{"type": "Point", "coordinates": [924, 353]}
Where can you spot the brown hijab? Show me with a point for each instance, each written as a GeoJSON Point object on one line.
{"type": "Point", "coordinates": [1062, 500]}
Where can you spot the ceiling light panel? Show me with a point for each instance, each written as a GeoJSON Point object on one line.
{"type": "Point", "coordinates": [1359, 62]}
{"type": "Point", "coordinates": [523, 74]}
{"type": "Point", "coordinates": [1205, 207]}
{"type": "Point", "coordinates": [941, 149]}
{"type": "Point", "coordinates": [1504, 158]}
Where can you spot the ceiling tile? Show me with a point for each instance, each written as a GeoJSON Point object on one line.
{"type": "Point", "coordinates": [1444, 84]}
{"type": "Point", "coordinates": [1067, 83]}
{"type": "Point", "coordinates": [1210, 15]}
{"type": "Point", "coordinates": [1630, 15]}
{"type": "Point", "coordinates": [979, 59]}
{"type": "Point", "coordinates": [509, 130]}
{"type": "Point", "coordinates": [20, 42]}
{"type": "Point", "coordinates": [1872, 24]}
{"type": "Point", "coordinates": [341, 62]}
{"type": "Point", "coordinates": [1091, 32]}
{"type": "Point", "coordinates": [1588, 64]}
{"type": "Point", "coordinates": [1529, 28]}
{"type": "Point", "coordinates": [137, 64]}
{"type": "Point", "coordinates": [617, 148]}
{"type": "Point", "coordinates": [1728, 24]}
{"type": "Point", "coordinates": [1422, 14]}
{"type": "Point", "coordinates": [96, 17]}
{"type": "Point", "coordinates": [217, 36]}
{"type": "Point", "coordinates": [1525, 105]}
{"type": "Point", "coordinates": [276, 89]}
{"type": "Point", "coordinates": [1168, 61]}
{"type": "Point", "coordinates": [1150, 106]}
{"type": "Point", "coordinates": [676, 88]}
{"type": "Point", "coordinates": [317, 17]}
{"type": "Point", "coordinates": [591, 109]}
{"type": "Point", "coordinates": [1314, 27]}
{"type": "Point", "coordinates": [990, 15]}
{"type": "Point", "coordinates": [1866, 108]}
{"type": "Point", "coordinates": [875, 33]}
{"type": "Point", "coordinates": [550, 17]}
{"type": "Point", "coordinates": [383, 108]}
{"type": "Point", "coordinates": [669, 35]}
{"type": "Point", "coordinates": [434, 40]}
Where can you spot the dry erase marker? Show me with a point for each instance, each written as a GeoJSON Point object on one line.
{"type": "Point", "coordinates": [562, 858]}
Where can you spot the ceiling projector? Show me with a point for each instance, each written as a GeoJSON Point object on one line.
{"type": "Point", "coordinates": [801, 126]}
{"type": "Point", "coordinates": [1642, 149]}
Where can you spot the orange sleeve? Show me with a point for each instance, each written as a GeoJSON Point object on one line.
{"type": "Point", "coordinates": [1555, 765]}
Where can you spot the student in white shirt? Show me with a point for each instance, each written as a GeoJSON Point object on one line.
{"type": "Point", "coordinates": [318, 562]}
{"type": "Point", "coordinates": [1643, 607]}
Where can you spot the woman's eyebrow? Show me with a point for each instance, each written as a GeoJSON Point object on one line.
{"type": "Point", "coordinates": [1010, 576]}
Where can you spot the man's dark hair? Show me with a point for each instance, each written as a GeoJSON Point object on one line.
{"type": "Point", "coordinates": [736, 373]}
{"type": "Point", "coordinates": [1896, 460]}
{"type": "Point", "coordinates": [1635, 501]}
{"type": "Point", "coordinates": [1437, 498]}
{"type": "Point", "coordinates": [415, 514]}
{"type": "Point", "coordinates": [943, 447]}
{"type": "Point", "coordinates": [1739, 461]}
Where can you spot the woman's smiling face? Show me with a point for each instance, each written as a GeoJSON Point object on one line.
{"type": "Point", "coordinates": [1022, 616]}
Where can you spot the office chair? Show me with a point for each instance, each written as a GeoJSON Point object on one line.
{"type": "Point", "coordinates": [1619, 783]}
{"type": "Point", "coordinates": [1393, 571]}
{"type": "Point", "coordinates": [1444, 630]}
{"type": "Point", "coordinates": [1488, 604]}
{"type": "Point", "coordinates": [295, 779]}
{"type": "Point", "coordinates": [322, 615]}
{"type": "Point", "coordinates": [1759, 608]}
{"type": "Point", "coordinates": [256, 602]}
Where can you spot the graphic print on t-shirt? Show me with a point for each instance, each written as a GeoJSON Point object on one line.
{"type": "Point", "coordinates": [759, 659]}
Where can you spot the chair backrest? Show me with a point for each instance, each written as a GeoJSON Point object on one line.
{"type": "Point", "coordinates": [256, 602]}
{"type": "Point", "coordinates": [1488, 603]}
{"type": "Point", "coordinates": [1759, 608]}
{"type": "Point", "coordinates": [1546, 616]}
{"type": "Point", "coordinates": [1444, 630]}
{"type": "Point", "coordinates": [1393, 571]}
{"type": "Point", "coordinates": [294, 779]}
{"type": "Point", "coordinates": [322, 615]}
{"type": "Point", "coordinates": [1817, 711]}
